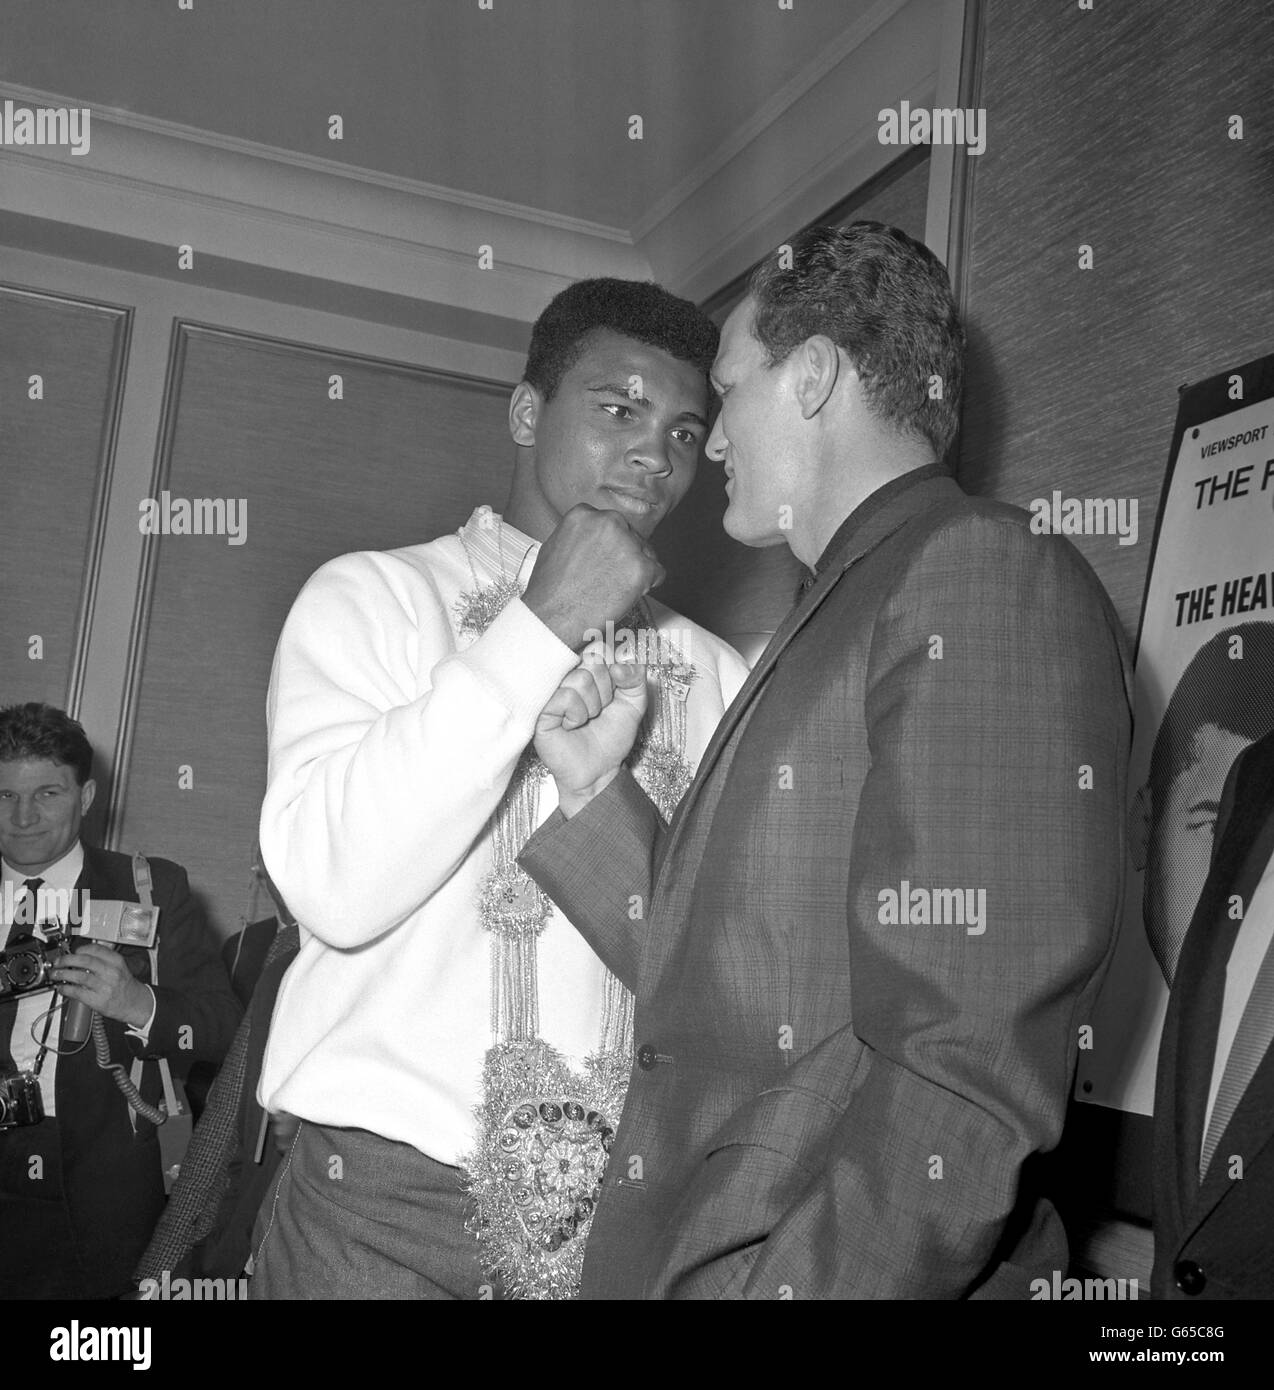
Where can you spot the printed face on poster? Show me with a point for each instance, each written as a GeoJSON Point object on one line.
{"type": "Point", "coordinates": [1204, 694]}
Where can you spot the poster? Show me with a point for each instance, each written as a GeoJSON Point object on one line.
{"type": "Point", "coordinates": [1204, 693]}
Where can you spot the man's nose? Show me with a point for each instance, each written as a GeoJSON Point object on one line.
{"type": "Point", "coordinates": [717, 442]}
{"type": "Point", "coordinates": [651, 456]}
{"type": "Point", "coordinates": [25, 813]}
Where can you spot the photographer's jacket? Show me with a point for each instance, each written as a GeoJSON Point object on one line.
{"type": "Point", "coordinates": [75, 1222]}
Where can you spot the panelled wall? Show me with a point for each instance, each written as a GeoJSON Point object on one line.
{"type": "Point", "coordinates": [403, 455]}
{"type": "Point", "coordinates": [61, 376]}
{"type": "Point", "coordinates": [161, 644]}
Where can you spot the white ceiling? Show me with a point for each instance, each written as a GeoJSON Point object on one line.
{"type": "Point", "coordinates": [527, 102]}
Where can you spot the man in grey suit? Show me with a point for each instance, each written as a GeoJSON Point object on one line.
{"type": "Point", "coordinates": [866, 945]}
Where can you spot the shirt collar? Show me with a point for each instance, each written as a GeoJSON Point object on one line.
{"type": "Point", "coordinates": [867, 508]}
{"type": "Point", "coordinates": [60, 877]}
{"type": "Point", "coordinates": [501, 549]}
{"type": "Point", "coordinates": [62, 873]}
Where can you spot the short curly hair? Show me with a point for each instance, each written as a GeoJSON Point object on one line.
{"type": "Point", "coordinates": [39, 731]}
{"type": "Point", "coordinates": [638, 309]}
{"type": "Point", "coordinates": [885, 299]}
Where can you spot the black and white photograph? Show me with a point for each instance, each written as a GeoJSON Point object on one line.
{"type": "Point", "coordinates": [637, 664]}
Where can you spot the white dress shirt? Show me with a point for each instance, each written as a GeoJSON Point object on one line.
{"type": "Point", "coordinates": [1250, 945]}
{"type": "Point", "coordinates": [28, 1027]}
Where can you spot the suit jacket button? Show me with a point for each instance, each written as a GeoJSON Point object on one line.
{"type": "Point", "coordinates": [647, 1057]}
{"type": "Point", "coordinates": [1189, 1276]}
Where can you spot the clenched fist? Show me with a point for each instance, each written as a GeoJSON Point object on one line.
{"type": "Point", "coordinates": [589, 726]}
{"type": "Point", "coordinates": [591, 570]}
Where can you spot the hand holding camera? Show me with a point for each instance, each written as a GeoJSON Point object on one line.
{"type": "Point", "coordinates": [98, 977]}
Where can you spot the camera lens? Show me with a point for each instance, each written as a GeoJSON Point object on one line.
{"type": "Point", "coordinates": [25, 970]}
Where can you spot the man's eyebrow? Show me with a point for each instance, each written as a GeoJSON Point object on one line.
{"type": "Point", "coordinates": [610, 389]}
{"type": "Point", "coordinates": [1205, 805]}
{"type": "Point", "coordinates": [613, 390]}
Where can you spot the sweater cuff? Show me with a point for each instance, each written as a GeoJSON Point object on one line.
{"type": "Point", "coordinates": [522, 661]}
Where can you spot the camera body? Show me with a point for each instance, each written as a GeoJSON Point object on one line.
{"type": "Point", "coordinates": [26, 961]}
{"type": "Point", "coordinates": [20, 1100]}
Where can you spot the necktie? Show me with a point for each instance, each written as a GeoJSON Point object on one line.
{"type": "Point", "coordinates": [1255, 1030]}
{"type": "Point", "coordinates": [24, 916]}
{"type": "Point", "coordinates": [25, 909]}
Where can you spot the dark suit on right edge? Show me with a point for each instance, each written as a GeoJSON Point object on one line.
{"type": "Point", "coordinates": [1215, 1239]}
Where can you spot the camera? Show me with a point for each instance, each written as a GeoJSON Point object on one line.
{"type": "Point", "coordinates": [20, 1100]}
{"type": "Point", "coordinates": [26, 961]}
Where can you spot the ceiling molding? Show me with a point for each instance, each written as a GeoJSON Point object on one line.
{"type": "Point", "coordinates": [189, 135]}
{"type": "Point", "coordinates": [167, 185]}
{"type": "Point", "coordinates": [786, 97]}
{"type": "Point", "coordinates": [279, 213]}
{"type": "Point", "coordinates": [821, 145]}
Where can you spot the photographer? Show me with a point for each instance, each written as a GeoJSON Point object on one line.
{"type": "Point", "coordinates": [81, 1184]}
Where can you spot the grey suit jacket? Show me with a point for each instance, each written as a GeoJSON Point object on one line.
{"type": "Point", "coordinates": [869, 938]}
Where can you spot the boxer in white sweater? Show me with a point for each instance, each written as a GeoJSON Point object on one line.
{"type": "Point", "coordinates": [455, 1051]}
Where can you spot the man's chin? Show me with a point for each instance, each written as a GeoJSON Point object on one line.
{"type": "Point", "coordinates": [741, 529]}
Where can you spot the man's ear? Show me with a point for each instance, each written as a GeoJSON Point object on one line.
{"type": "Point", "coordinates": [87, 792]}
{"type": "Point", "coordinates": [1139, 815]}
{"type": "Point", "coordinates": [524, 413]}
{"type": "Point", "coordinates": [818, 367]}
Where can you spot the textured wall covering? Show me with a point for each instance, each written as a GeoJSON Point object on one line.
{"type": "Point", "coordinates": [404, 457]}
{"type": "Point", "coordinates": [53, 454]}
{"type": "Point", "coordinates": [1109, 129]}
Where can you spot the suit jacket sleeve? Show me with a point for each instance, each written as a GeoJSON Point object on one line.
{"type": "Point", "coordinates": [196, 1012]}
{"type": "Point", "coordinates": [996, 682]}
{"type": "Point", "coordinates": [597, 867]}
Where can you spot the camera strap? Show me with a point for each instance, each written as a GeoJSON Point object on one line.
{"type": "Point", "coordinates": [44, 1041]}
{"type": "Point", "coordinates": [142, 882]}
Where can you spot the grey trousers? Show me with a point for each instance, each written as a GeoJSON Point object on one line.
{"type": "Point", "coordinates": [353, 1215]}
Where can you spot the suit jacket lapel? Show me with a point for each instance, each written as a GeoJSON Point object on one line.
{"type": "Point", "coordinates": [890, 517]}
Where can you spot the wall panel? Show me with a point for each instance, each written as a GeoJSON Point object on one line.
{"type": "Point", "coordinates": [403, 457]}
{"type": "Point", "coordinates": [55, 462]}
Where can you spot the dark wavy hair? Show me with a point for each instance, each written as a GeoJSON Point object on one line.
{"type": "Point", "coordinates": [1236, 696]}
{"type": "Point", "coordinates": [42, 731]}
{"type": "Point", "coordinates": [884, 299]}
{"type": "Point", "coordinates": [638, 309]}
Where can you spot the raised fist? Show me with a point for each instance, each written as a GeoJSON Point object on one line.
{"type": "Point", "coordinates": [591, 570]}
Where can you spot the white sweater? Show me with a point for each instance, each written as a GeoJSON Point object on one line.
{"type": "Point", "coordinates": [392, 739]}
